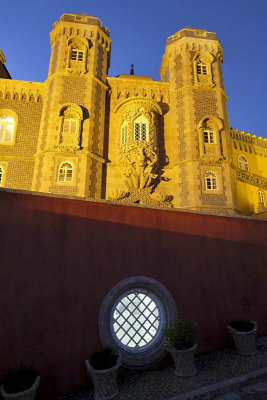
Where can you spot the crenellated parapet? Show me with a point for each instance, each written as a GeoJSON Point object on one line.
{"type": "Point", "coordinates": [248, 137]}
{"type": "Point", "coordinates": [22, 90]}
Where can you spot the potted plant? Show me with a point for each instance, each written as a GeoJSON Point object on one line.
{"type": "Point", "coordinates": [103, 367]}
{"type": "Point", "coordinates": [21, 384]}
{"type": "Point", "coordinates": [244, 334]}
{"type": "Point", "coordinates": [180, 338]}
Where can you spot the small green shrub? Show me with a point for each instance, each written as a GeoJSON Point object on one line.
{"type": "Point", "coordinates": [241, 325]}
{"type": "Point", "coordinates": [180, 334]}
{"type": "Point", "coordinates": [103, 359]}
{"type": "Point", "coordinates": [16, 381]}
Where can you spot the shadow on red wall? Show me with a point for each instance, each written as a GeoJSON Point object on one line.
{"type": "Point", "coordinates": [60, 257]}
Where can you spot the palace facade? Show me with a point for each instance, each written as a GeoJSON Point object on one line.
{"type": "Point", "coordinates": [129, 138]}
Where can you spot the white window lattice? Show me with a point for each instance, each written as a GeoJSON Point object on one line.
{"type": "Point", "coordinates": [65, 173]}
{"type": "Point", "coordinates": [136, 320]}
{"type": "Point", "coordinates": [202, 68]}
{"type": "Point", "coordinates": [208, 136]}
{"type": "Point", "coordinates": [140, 131]}
{"type": "Point", "coordinates": [210, 181]}
{"type": "Point", "coordinates": [77, 55]}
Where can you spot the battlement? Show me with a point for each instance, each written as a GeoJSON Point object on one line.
{"type": "Point", "coordinates": [192, 33]}
{"type": "Point", "coordinates": [82, 19]}
{"type": "Point", "coordinates": [248, 137]}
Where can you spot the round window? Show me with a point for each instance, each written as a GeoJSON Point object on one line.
{"type": "Point", "coordinates": [132, 317]}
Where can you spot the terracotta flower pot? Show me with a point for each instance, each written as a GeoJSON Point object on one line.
{"type": "Point", "coordinates": [184, 361]}
{"type": "Point", "coordinates": [105, 380]}
{"type": "Point", "coordinates": [245, 342]}
{"type": "Point", "coordinates": [28, 394]}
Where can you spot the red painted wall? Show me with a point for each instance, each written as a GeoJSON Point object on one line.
{"type": "Point", "coordinates": [60, 257]}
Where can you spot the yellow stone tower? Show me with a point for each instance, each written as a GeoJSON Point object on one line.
{"type": "Point", "coordinates": [70, 152]}
{"type": "Point", "coordinates": [199, 127]}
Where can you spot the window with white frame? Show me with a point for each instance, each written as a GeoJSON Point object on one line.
{"type": "Point", "coordinates": [132, 317]}
{"type": "Point", "coordinates": [210, 181]}
{"type": "Point", "coordinates": [7, 128]}
{"type": "Point", "coordinates": [243, 163]}
{"type": "Point", "coordinates": [141, 129]}
{"type": "Point", "coordinates": [77, 54]}
{"type": "Point", "coordinates": [65, 172]}
{"type": "Point", "coordinates": [124, 133]}
{"type": "Point", "coordinates": [1, 175]}
{"type": "Point", "coordinates": [70, 125]}
{"type": "Point", "coordinates": [202, 68]}
{"type": "Point", "coordinates": [208, 136]}
{"type": "Point", "coordinates": [261, 197]}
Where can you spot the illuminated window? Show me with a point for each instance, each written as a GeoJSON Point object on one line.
{"type": "Point", "coordinates": [261, 197]}
{"type": "Point", "coordinates": [70, 125]}
{"type": "Point", "coordinates": [1, 175]}
{"type": "Point", "coordinates": [202, 68]}
{"type": "Point", "coordinates": [7, 128]}
{"type": "Point", "coordinates": [124, 133]}
{"type": "Point", "coordinates": [243, 163]}
{"type": "Point", "coordinates": [77, 55]}
{"type": "Point", "coordinates": [65, 172]}
{"type": "Point", "coordinates": [208, 136]}
{"type": "Point", "coordinates": [210, 181]}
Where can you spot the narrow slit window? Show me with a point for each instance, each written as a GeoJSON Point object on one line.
{"type": "Point", "coordinates": [1, 175]}
{"type": "Point", "coordinates": [124, 134]}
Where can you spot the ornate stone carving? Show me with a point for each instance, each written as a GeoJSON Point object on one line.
{"type": "Point", "coordinates": [139, 163]}
{"type": "Point", "coordinates": [251, 179]}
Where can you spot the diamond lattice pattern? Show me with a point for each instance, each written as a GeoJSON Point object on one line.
{"type": "Point", "coordinates": [136, 320]}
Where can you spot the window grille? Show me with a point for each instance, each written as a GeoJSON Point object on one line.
{"type": "Point", "coordinates": [7, 127]}
{"type": "Point", "coordinates": [202, 68]}
{"type": "Point", "coordinates": [210, 181]}
{"type": "Point", "coordinates": [65, 172]}
{"type": "Point", "coordinates": [70, 126]}
{"type": "Point", "coordinates": [208, 137]}
{"type": "Point", "coordinates": [136, 320]}
{"type": "Point", "coordinates": [243, 163]}
{"type": "Point", "coordinates": [140, 131]}
{"type": "Point", "coordinates": [77, 55]}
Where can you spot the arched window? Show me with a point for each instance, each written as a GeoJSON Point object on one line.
{"type": "Point", "coordinates": [202, 68]}
{"type": "Point", "coordinates": [1, 175]}
{"type": "Point", "coordinates": [208, 136]}
{"type": "Point", "coordinates": [70, 125]}
{"type": "Point", "coordinates": [141, 129]}
{"type": "Point", "coordinates": [7, 128]}
{"type": "Point", "coordinates": [65, 172]}
{"type": "Point", "coordinates": [124, 133]}
{"type": "Point", "coordinates": [243, 163]}
{"type": "Point", "coordinates": [210, 181]}
{"type": "Point", "coordinates": [261, 197]}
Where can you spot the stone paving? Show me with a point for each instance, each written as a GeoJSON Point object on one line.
{"type": "Point", "coordinates": [222, 375]}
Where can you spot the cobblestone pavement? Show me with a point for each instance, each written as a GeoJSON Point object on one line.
{"type": "Point", "coordinates": [222, 375]}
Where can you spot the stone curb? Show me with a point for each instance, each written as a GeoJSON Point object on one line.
{"type": "Point", "coordinates": [221, 386]}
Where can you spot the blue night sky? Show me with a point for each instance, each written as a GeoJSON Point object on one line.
{"type": "Point", "coordinates": [139, 30]}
